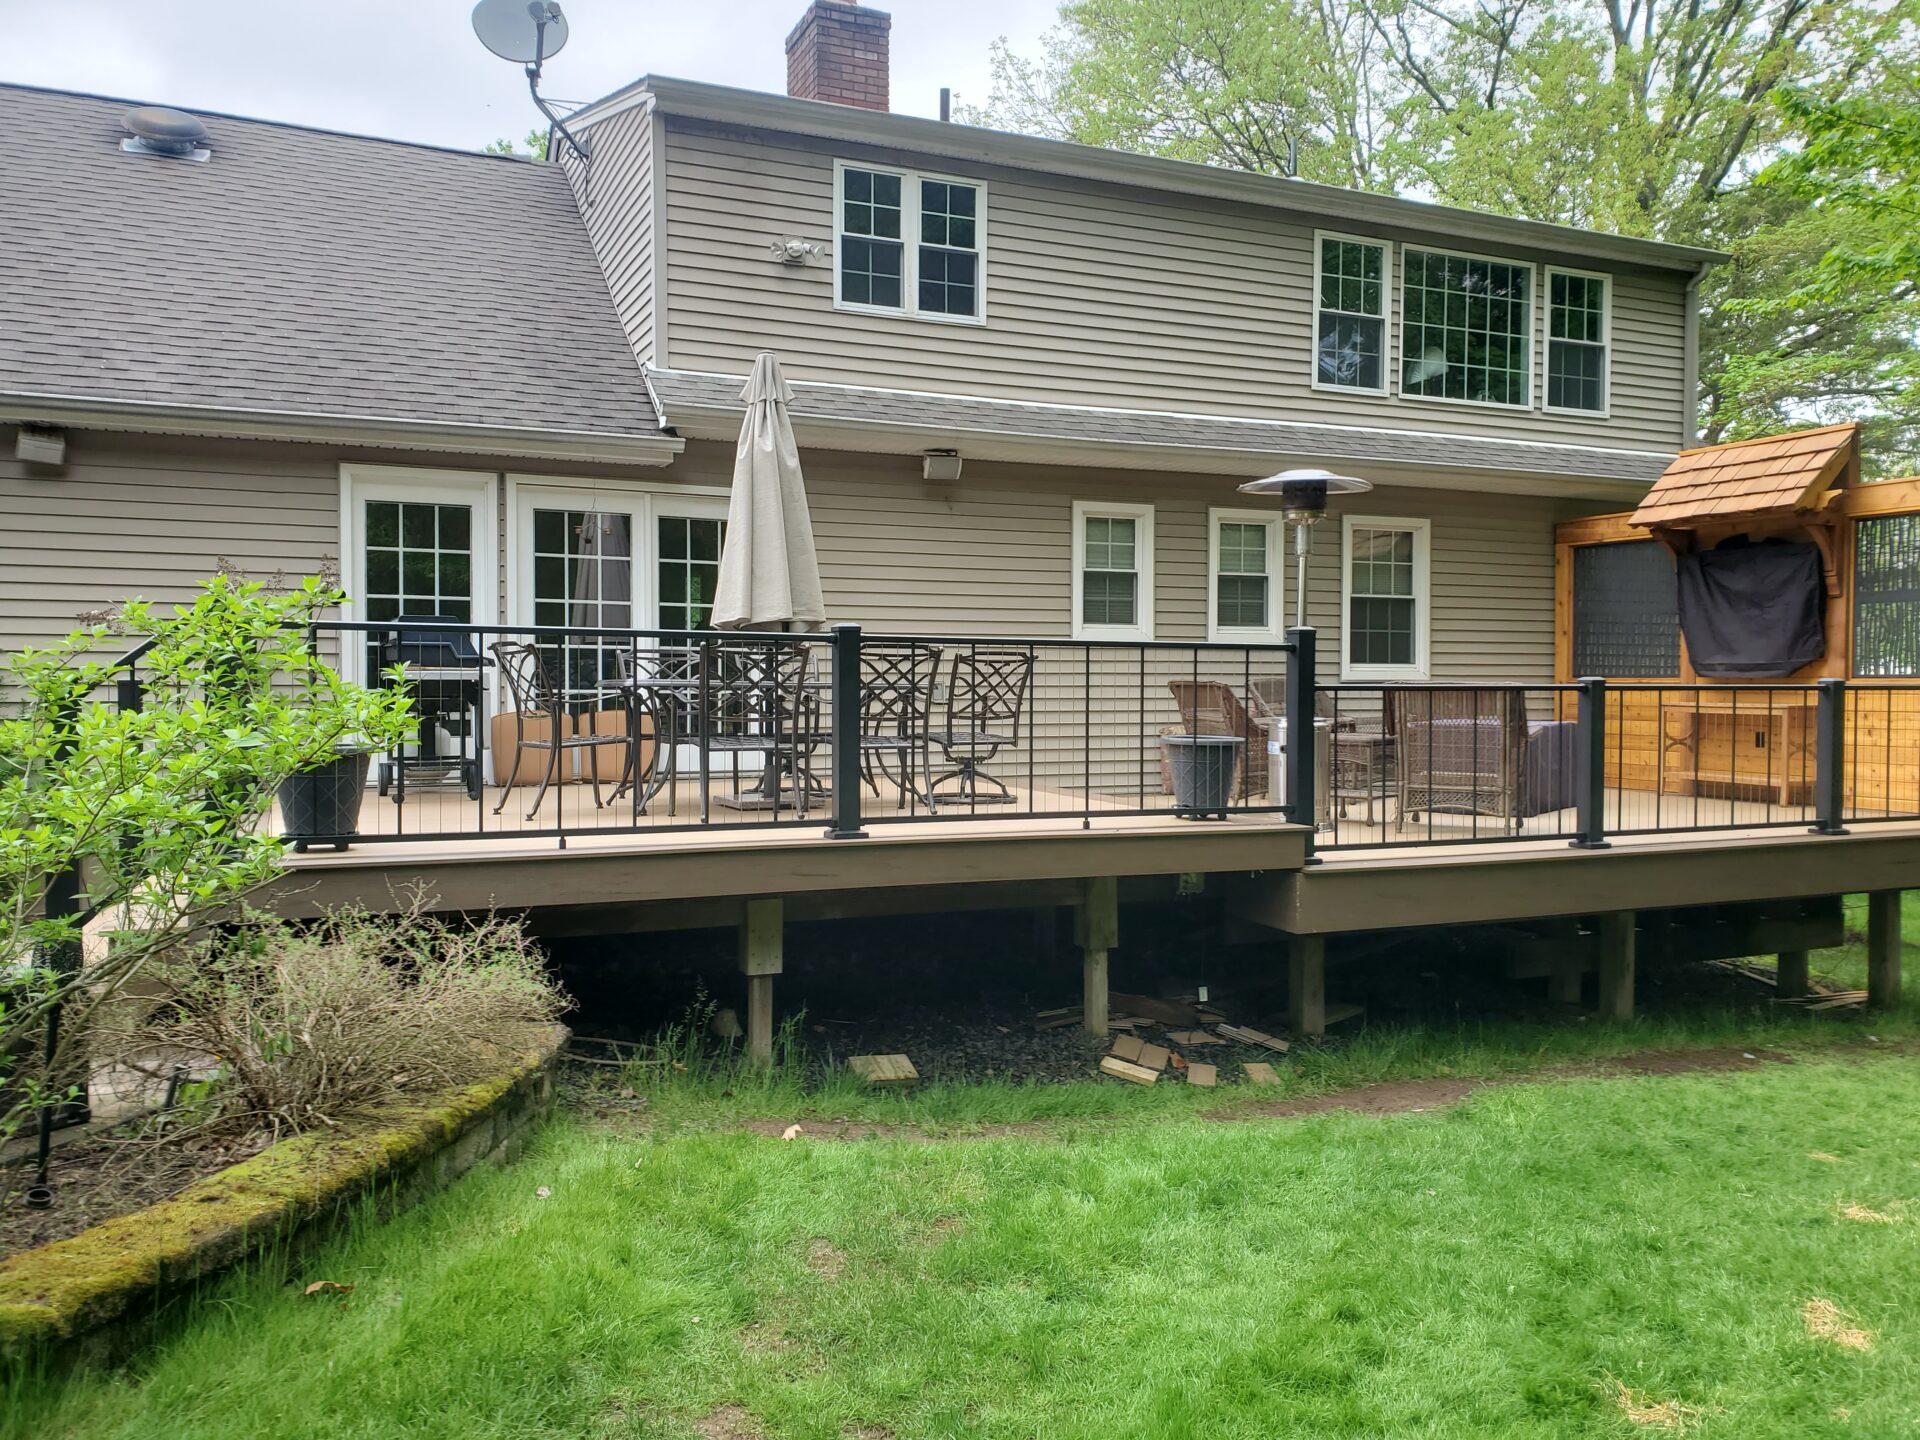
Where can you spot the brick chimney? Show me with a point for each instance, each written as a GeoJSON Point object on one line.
{"type": "Point", "coordinates": [838, 53]}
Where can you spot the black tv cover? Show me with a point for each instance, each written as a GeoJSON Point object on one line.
{"type": "Point", "coordinates": [1753, 610]}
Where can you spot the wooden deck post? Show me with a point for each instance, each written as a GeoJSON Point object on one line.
{"type": "Point", "coordinates": [1790, 978]}
{"type": "Point", "coordinates": [1616, 965]}
{"type": "Point", "coordinates": [1568, 971]}
{"type": "Point", "coordinates": [1883, 948]}
{"type": "Point", "coordinates": [762, 956]}
{"type": "Point", "coordinates": [1307, 984]}
{"type": "Point", "coordinates": [1096, 928]}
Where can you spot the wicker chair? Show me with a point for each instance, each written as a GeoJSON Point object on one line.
{"type": "Point", "coordinates": [1213, 707]}
{"type": "Point", "coordinates": [1459, 752]}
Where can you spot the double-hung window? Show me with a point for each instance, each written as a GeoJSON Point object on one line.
{"type": "Point", "coordinates": [1384, 598]}
{"type": "Point", "coordinates": [1466, 328]}
{"type": "Point", "coordinates": [1112, 571]}
{"type": "Point", "coordinates": [1243, 553]}
{"type": "Point", "coordinates": [1350, 314]}
{"type": "Point", "coordinates": [1577, 341]}
{"type": "Point", "coordinates": [910, 244]}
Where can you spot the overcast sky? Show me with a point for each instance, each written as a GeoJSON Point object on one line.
{"type": "Point", "coordinates": [412, 69]}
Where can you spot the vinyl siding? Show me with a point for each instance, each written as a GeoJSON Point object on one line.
{"type": "Point", "coordinates": [616, 197]}
{"type": "Point", "coordinates": [1095, 296]}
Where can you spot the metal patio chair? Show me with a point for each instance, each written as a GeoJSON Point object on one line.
{"type": "Point", "coordinates": [898, 681]}
{"type": "Point", "coordinates": [759, 700]}
{"type": "Point", "coordinates": [536, 696]}
{"type": "Point", "coordinates": [986, 703]}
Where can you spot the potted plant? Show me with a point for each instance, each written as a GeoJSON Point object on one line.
{"type": "Point", "coordinates": [320, 805]}
{"type": "Point", "coordinates": [1202, 769]}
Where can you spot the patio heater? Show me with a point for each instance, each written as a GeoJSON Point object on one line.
{"type": "Point", "coordinates": [1303, 496]}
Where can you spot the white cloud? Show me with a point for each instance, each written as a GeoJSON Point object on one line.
{"type": "Point", "coordinates": [412, 69]}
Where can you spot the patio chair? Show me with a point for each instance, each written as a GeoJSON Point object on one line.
{"type": "Point", "coordinates": [1213, 707]}
{"type": "Point", "coordinates": [536, 696]}
{"type": "Point", "coordinates": [1459, 752]}
{"type": "Point", "coordinates": [986, 703]}
{"type": "Point", "coordinates": [759, 702]}
{"type": "Point", "coordinates": [898, 680]}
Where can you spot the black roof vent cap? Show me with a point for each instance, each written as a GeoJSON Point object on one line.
{"type": "Point", "coordinates": [157, 130]}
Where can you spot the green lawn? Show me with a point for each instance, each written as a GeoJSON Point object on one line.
{"type": "Point", "coordinates": [1496, 1269]}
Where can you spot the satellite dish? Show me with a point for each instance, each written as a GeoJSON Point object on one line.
{"type": "Point", "coordinates": [525, 31]}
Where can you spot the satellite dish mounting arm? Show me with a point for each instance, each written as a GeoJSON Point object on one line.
{"type": "Point", "coordinates": [539, 13]}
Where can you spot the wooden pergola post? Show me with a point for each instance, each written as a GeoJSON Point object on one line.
{"type": "Point", "coordinates": [1616, 965]}
{"type": "Point", "coordinates": [1883, 948]}
{"type": "Point", "coordinates": [762, 956]}
{"type": "Point", "coordinates": [1307, 984]}
{"type": "Point", "coordinates": [1096, 926]}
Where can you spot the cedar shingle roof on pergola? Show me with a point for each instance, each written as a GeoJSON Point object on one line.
{"type": "Point", "coordinates": [1776, 475]}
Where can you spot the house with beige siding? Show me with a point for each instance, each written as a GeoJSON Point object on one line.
{"type": "Point", "coordinates": [1029, 378]}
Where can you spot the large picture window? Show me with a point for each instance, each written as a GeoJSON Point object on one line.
{"type": "Point", "coordinates": [1466, 329]}
{"type": "Point", "coordinates": [1577, 342]}
{"type": "Point", "coordinates": [1350, 314]}
{"type": "Point", "coordinates": [1384, 598]}
{"type": "Point", "coordinates": [909, 244]}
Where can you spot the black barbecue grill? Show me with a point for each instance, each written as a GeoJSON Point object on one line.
{"type": "Point", "coordinates": [445, 676]}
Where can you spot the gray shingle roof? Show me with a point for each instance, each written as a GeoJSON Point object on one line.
{"type": "Point", "coordinates": [682, 394]}
{"type": "Point", "coordinates": [303, 272]}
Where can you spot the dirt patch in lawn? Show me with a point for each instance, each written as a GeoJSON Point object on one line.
{"type": "Point", "coordinates": [826, 1259]}
{"type": "Point", "coordinates": [729, 1422]}
{"type": "Point", "coordinates": [1827, 1321]}
{"type": "Point", "coordinates": [1405, 1097]}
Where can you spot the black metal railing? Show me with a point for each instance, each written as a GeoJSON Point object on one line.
{"type": "Point", "coordinates": [558, 732]}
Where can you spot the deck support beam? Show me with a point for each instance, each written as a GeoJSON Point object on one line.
{"type": "Point", "coordinates": [762, 956]}
{"type": "Point", "coordinates": [1883, 948]}
{"type": "Point", "coordinates": [1791, 979]}
{"type": "Point", "coordinates": [1616, 932]}
{"type": "Point", "coordinates": [1567, 973]}
{"type": "Point", "coordinates": [1307, 984]}
{"type": "Point", "coordinates": [1097, 931]}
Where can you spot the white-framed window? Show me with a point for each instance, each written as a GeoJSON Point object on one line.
{"type": "Point", "coordinates": [1112, 571]}
{"type": "Point", "coordinates": [1579, 340]}
{"type": "Point", "coordinates": [415, 542]}
{"type": "Point", "coordinates": [1384, 598]}
{"type": "Point", "coordinates": [907, 243]}
{"type": "Point", "coordinates": [1466, 328]}
{"type": "Point", "coordinates": [1351, 280]}
{"type": "Point", "coordinates": [1244, 575]}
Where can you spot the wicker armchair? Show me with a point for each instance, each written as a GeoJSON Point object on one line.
{"type": "Point", "coordinates": [1213, 707]}
{"type": "Point", "coordinates": [1460, 752]}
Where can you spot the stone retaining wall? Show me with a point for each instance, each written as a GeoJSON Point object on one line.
{"type": "Point", "coordinates": [94, 1297]}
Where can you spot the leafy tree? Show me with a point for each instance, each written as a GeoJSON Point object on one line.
{"type": "Point", "coordinates": [536, 143]}
{"type": "Point", "coordinates": [1644, 117]}
{"type": "Point", "coordinates": [156, 812]}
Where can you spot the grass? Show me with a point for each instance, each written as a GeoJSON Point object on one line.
{"type": "Point", "coordinates": [1511, 1267]}
{"type": "Point", "coordinates": [1720, 1255]}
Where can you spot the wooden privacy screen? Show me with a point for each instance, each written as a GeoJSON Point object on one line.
{"type": "Point", "coordinates": [1616, 615]}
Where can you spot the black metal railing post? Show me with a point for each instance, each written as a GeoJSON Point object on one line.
{"type": "Point", "coordinates": [845, 738]}
{"type": "Point", "coordinates": [1590, 775]}
{"type": "Point", "coordinates": [1830, 759]}
{"type": "Point", "coordinates": [1300, 756]}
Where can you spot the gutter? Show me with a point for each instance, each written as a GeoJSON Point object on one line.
{"type": "Point", "coordinates": [313, 427]}
{"type": "Point", "coordinates": [1690, 361]}
{"type": "Point", "coordinates": [726, 105]}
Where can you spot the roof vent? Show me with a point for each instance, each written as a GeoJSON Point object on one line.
{"type": "Point", "coordinates": [160, 131]}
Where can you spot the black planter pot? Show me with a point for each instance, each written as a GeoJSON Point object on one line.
{"type": "Point", "coordinates": [1203, 767]}
{"type": "Point", "coordinates": [321, 806]}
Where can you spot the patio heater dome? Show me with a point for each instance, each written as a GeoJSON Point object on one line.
{"type": "Point", "coordinates": [1303, 496]}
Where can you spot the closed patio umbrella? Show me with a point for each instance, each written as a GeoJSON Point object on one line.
{"type": "Point", "coordinates": [769, 574]}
